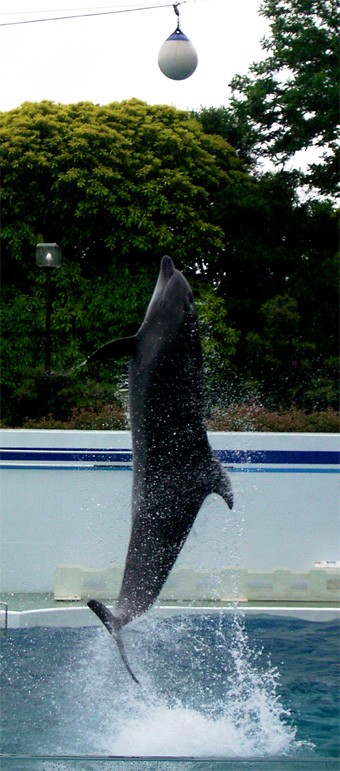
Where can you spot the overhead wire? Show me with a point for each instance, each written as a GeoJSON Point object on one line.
{"type": "Point", "coordinates": [126, 9]}
{"type": "Point", "coordinates": [61, 10]}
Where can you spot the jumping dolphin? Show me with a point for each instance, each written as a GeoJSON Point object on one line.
{"type": "Point", "coordinates": [173, 465]}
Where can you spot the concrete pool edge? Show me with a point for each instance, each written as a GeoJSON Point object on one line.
{"type": "Point", "coordinates": [301, 763]}
{"type": "Point", "coordinates": [82, 616]}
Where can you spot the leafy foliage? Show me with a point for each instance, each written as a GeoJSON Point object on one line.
{"type": "Point", "coordinates": [139, 177]}
{"type": "Point", "coordinates": [117, 187]}
{"type": "Point", "coordinates": [289, 101]}
{"type": "Point", "coordinates": [255, 417]}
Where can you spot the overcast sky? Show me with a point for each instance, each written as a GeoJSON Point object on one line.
{"type": "Point", "coordinates": [109, 58]}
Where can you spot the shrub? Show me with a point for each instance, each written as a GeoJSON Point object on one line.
{"type": "Point", "coordinates": [247, 417]}
{"type": "Point", "coordinates": [109, 417]}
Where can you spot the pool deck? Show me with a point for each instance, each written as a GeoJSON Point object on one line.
{"type": "Point", "coordinates": [26, 610]}
{"type": "Point", "coordinates": [24, 602]}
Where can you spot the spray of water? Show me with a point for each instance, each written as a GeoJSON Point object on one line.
{"type": "Point", "coordinates": [215, 700]}
{"type": "Point", "coordinates": [205, 690]}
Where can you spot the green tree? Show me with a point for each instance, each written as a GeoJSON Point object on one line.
{"type": "Point", "coordinates": [226, 123]}
{"type": "Point", "coordinates": [280, 250]}
{"type": "Point", "coordinates": [277, 245]}
{"type": "Point", "coordinates": [289, 101]}
{"type": "Point", "coordinates": [117, 187]}
{"type": "Point", "coordinates": [126, 180]}
{"type": "Point", "coordinates": [219, 341]}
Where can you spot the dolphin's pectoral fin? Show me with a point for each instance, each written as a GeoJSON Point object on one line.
{"type": "Point", "coordinates": [222, 484]}
{"type": "Point", "coordinates": [116, 349]}
{"type": "Point", "coordinates": [114, 626]}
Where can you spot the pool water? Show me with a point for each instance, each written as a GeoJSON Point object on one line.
{"type": "Point", "coordinates": [215, 686]}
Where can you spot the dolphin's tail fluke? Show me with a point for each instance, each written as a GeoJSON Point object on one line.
{"type": "Point", "coordinates": [114, 626]}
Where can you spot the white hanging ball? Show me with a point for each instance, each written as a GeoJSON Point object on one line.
{"type": "Point", "coordinates": [177, 57]}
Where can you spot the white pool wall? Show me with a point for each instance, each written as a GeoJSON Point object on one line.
{"type": "Point", "coordinates": [61, 507]}
{"type": "Point", "coordinates": [75, 617]}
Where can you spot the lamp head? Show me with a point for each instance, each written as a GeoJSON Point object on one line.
{"type": "Point", "coordinates": [48, 255]}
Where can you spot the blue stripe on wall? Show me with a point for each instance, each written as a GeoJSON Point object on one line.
{"type": "Point", "coordinates": [235, 457]}
{"type": "Point", "coordinates": [70, 455]}
{"type": "Point", "coordinates": [305, 457]}
{"type": "Point", "coordinates": [231, 469]}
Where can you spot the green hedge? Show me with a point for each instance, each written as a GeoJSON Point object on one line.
{"type": "Point", "coordinates": [235, 417]}
{"type": "Point", "coordinates": [247, 417]}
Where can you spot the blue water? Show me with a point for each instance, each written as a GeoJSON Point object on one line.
{"type": "Point", "coordinates": [227, 691]}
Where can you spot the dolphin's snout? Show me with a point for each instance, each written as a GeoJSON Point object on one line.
{"type": "Point", "coordinates": [167, 267]}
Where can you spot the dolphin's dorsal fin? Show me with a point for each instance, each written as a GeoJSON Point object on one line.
{"type": "Point", "coordinates": [116, 349]}
{"type": "Point", "coordinates": [221, 483]}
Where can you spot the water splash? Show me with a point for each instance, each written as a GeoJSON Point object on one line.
{"type": "Point", "coordinates": [216, 700]}
{"type": "Point", "coordinates": [207, 691]}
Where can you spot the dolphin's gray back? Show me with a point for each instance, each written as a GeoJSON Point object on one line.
{"type": "Point", "coordinates": [173, 465]}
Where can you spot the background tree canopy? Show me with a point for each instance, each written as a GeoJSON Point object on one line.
{"type": "Point", "coordinates": [116, 187]}
{"type": "Point", "coordinates": [119, 186]}
{"type": "Point", "coordinates": [289, 100]}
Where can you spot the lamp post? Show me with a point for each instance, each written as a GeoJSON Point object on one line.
{"type": "Point", "coordinates": [48, 256]}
